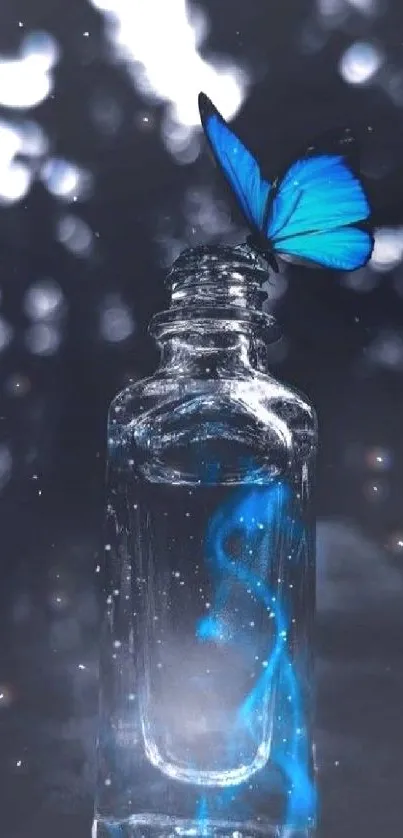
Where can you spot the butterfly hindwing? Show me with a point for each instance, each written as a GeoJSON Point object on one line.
{"type": "Point", "coordinates": [317, 193]}
{"type": "Point", "coordinates": [237, 164]}
{"type": "Point", "coordinates": [343, 248]}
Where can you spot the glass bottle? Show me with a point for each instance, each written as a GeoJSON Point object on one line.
{"type": "Point", "coordinates": [206, 679]}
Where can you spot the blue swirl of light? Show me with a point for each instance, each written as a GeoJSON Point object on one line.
{"type": "Point", "coordinates": [254, 512]}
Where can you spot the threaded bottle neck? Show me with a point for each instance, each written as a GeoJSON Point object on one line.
{"type": "Point", "coordinates": [210, 286]}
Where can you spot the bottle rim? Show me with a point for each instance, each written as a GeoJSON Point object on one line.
{"type": "Point", "coordinates": [216, 288]}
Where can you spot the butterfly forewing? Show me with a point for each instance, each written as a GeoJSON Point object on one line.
{"type": "Point", "coordinates": [237, 164]}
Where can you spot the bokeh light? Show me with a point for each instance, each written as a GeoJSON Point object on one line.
{"type": "Point", "coordinates": [203, 210]}
{"type": "Point", "coordinates": [76, 235]}
{"type": "Point", "coordinates": [360, 62]}
{"type": "Point", "coordinates": [169, 248]}
{"type": "Point", "coordinates": [17, 385]}
{"type": "Point", "coordinates": [106, 113]}
{"type": "Point", "coordinates": [395, 544]}
{"type": "Point", "coordinates": [66, 180]}
{"type": "Point", "coordinates": [376, 491]}
{"type": "Point", "coordinates": [361, 281]}
{"type": "Point", "coordinates": [116, 321]}
{"type": "Point", "coordinates": [59, 601]}
{"type": "Point", "coordinates": [379, 459]}
{"type": "Point", "coordinates": [181, 141]}
{"type": "Point", "coordinates": [41, 50]}
{"type": "Point", "coordinates": [6, 696]}
{"type": "Point", "coordinates": [26, 81]}
{"type": "Point", "coordinates": [27, 140]}
{"type": "Point", "coordinates": [43, 300]}
{"type": "Point", "coordinates": [156, 61]}
{"type": "Point", "coordinates": [43, 339]}
{"type": "Point", "coordinates": [34, 141]}
{"type": "Point", "coordinates": [15, 181]}
{"type": "Point", "coordinates": [388, 249]}
{"type": "Point", "coordinates": [386, 351]}
{"type": "Point", "coordinates": [332, 12]}
{"type": "Point", "coordinates": [366, 7]}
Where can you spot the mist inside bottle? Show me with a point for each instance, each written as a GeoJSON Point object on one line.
{"type": "Point", "coordinates": [218, 588]}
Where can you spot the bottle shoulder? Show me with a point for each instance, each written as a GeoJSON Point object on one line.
{"type": "Point", "coordinates": [193, 430]}
{"type": "Point", "coordinates": [258, 400]}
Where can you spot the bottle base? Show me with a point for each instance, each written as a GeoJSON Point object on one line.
{"type": "Point", "coordinates": [154, 826]}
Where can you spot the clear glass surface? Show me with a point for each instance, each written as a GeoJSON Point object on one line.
{"type": "Point", "coordinates": [206, 675]}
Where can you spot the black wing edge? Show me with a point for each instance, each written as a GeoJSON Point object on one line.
{"type": "Point", "coordinates": [206, 108]}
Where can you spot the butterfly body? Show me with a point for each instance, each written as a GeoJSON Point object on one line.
{"type": "Point", "coordinates": [258, 243]}
{"type": "Point", "coordinates": [315, 213]}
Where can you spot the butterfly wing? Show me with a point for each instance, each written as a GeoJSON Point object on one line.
{"type": "Point", "coordinates": [237, 164]}
{"type": "Point", "coordinates": [343, 249]}
{"type": "Point", "coordinates": [320, 195]}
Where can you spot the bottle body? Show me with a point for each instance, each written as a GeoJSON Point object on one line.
{"type": "Point", "coordinates": [206, 654]}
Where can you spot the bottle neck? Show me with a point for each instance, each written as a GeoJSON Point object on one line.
{"type": "Point", "coordinates": [213, 356]}
{"type": "Point", "coordinates": [215, 324]}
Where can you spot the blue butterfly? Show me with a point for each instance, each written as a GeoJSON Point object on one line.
{"type": "Point", "coordinates": [311, 215]}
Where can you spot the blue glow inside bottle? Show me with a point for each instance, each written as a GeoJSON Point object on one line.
{"type": "Point", "coordinates": [206, 678]}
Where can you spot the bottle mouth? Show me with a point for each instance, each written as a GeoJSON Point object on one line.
{"type": "Point", "coordinates": [218, 276]}
{"type": "Point", "coordinates": [212, 283]}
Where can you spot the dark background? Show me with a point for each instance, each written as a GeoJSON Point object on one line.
{"type": "Point", "coordinates": [103, 180]}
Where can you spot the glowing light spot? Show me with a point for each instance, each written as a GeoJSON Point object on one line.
{"type": "Point", "coordinates": [181, 141]}
{"type": "Point", "coordinates": [6, 696]}
{"type": "Point", "coordinates": [76, 235]}
{"type": "Point", "coordinates": [26, 81]}
{"type": "Point", "coordinates": [376, 492]}
{"type": "Point", "coordinates": [388, 249]}
{"type": "Point", "coordinates": [378, 459]}
{"type": "Point", "coordinates": [156, 62]}
{"type": "Point", "coordinates": [362, 281]}
{"type": "Point", "coordinates": [43, 300]}
{"type": "Point", "coordinates": [18, 138]}
{"type": "Point", "coordinates": [43, 339]}
{"type": "Point", "coordinates": [331, 9]}
{"type": "Point", "coordinates": [360, 62]}
{"type": "Point", "coordinates": [66, 180]}
{"type": "Point", "coordinates": [201, 209]}
{"type": "Point", "coordinates": [17, 385]}
{"type": "Point", "coordinates": [41, 50]}
{"type": "Point", "coordinates": [387, 351]}
{"type": "Point", "coordinates": [366, 7]}
{"type": "Point", "coordinates": [116, 321]}
{"type": "Point", "coordinates": [395, 543]}
{"type": "Point", "coordinates": [34, 142]}
{"type": "Point", "coordinates": [10, 141]}
{"type": "Point", "coordinates": [15, 181]}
